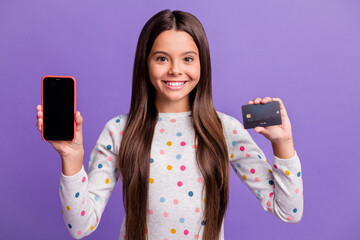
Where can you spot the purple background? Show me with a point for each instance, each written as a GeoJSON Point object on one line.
{"type": "Point", "coordinates": [305, 52]}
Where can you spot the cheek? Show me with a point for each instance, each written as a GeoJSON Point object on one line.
{"type": "Point", "coordinates": [194, 72]}
{"type": "Point", "coordinates": [156, 72]}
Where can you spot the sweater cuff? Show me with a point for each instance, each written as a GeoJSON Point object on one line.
{"type": "Point", "coordinates": [286, 159]}
{"type": "Point", "coordinates": [74, 177]}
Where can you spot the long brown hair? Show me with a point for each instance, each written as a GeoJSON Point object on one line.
{"type": "Point", "coordinates": [211, 151]}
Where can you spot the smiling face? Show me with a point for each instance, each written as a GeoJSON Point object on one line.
{"type": "Point", "coordinates": [174, 57]}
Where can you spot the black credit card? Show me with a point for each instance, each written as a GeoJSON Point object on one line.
{"type": "Point", "coordinates": [261, 115]}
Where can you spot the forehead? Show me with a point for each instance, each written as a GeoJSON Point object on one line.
{"type": "Point", "coordinates": [172, 40]}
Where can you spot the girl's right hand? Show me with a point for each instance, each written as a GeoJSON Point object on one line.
{"type": "Point", "coordinates": [66, 149]}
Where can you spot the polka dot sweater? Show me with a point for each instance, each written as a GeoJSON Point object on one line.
{"type": "Point", "coordinates": [176, 202]}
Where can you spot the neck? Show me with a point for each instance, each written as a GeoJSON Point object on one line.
{"type": "Point", "coordinates": [182, 105]}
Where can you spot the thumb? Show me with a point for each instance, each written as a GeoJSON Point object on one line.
{"type": "Point", "coordinates": [265, 132]}
{"type": "Point", "coordinates": [259, 129]}
{"type": "Point", "coordinates": [78, 120]}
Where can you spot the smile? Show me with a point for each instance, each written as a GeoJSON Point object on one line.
{"type": "Point", "coordinates": [175, 85]}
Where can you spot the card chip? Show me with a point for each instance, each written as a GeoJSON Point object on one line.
{"type": "Point", "coordinates": [248, 115]}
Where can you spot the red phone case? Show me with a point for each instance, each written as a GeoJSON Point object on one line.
{"type": "Point", "coordinates": [42, 105]}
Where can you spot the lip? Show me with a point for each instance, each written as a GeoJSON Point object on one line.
{"type": "Point", "coordinates": [175, 87]}
{"type": "Point", "coordinates": [175, 80]}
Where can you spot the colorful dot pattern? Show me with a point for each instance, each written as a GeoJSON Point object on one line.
{"type": "Point", "coordinates": [176, 200]}
{"type": "Point", "coordinates": [82, 195]}
{"type": "Point", "coordinates": [250, 165]}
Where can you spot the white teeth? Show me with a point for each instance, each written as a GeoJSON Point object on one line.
{"type": "Point", "coordinates": [175, 83]}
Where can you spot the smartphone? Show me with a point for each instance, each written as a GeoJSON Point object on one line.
{"type": "Point", "coordinates": [261, 115]}
{"type": "Point", "coordinates": [58, 100]}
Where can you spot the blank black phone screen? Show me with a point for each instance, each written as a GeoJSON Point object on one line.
{"type": "Point", "coordinates": [58, 108]}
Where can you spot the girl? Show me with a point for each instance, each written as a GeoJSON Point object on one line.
{"type": "Point", "coordinates": [172, 150]}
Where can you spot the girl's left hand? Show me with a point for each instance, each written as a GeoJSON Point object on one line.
{"type": "Point", "coordinates": [276, 133]}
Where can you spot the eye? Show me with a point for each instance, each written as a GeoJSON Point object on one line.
{"type": "Point", "coordinates": [189, 59]}
{"type": "Point", "coordinates": [161, 59]}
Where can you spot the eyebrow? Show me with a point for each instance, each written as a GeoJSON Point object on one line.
{"type": "Point", "coordinates": [165, 53]}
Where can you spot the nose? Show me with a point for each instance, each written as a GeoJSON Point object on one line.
{"type": "Point", "coordinates": [175, 68]}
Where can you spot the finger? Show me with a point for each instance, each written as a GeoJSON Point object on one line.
{"type": "Point", "coordinates": [39, 114]}
{"type": "Point", "coordinates": [266, 99]}
{"type": "Point", "coordinates": [38, 107]}
{"type": "Point", "coordinates": [257, 100]}
{"type": "Point", "coordinates": [282, 107]}
{"type": "Point", "coordinates": [277, 99]}
{"type": "Point", "coordinates": [250, 102]}
{"type": "Point", "coordinates": [39, 123]}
